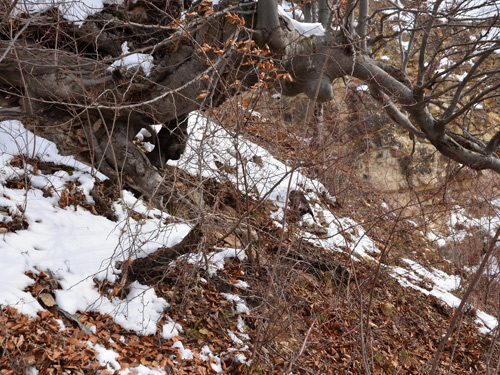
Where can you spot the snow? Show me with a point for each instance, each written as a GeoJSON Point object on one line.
{"type": "Point", "coordinates": [62, 327]}
{"type": "Point", "coordinates": [216, 259]}
{"type": "Point", "coordinates": [78, 11]}
{"type": "Point", "coordinates": [345, 233]}
{"type": "Point", "coordinates": [72, 243]}
{"type": "Point", "coordinates": [342, 234]}
{"type": "Point", "coordinates": [437, 239]}
{"type": "Point", "coordinates": [439, 285]}
{"type": "Point", "coordinates": [15, 140]}
{"type": "Point", "coordinates": [234, 338]}
{"type": "Point", "coordinates": [171, 329]}
{"type": "Point", "coordinates": [241, 306]}
{"type": "Point", "coordinates": [207, 356]}
{"type": "Point", "coordinates": [133, 61]}
{"type": "Point", "coordinates": [79, 248]}
{"type": "Point", "coordinates": [210, 145]}
{"type": "Point", "coordinates": [473, 9]}
{"type": "Point", "coordinates": [241, 284]}
{"type": "Point", "coordinates": [141, 370]}
{"type": "Point", "coordinates": [31, 371]}
{"type": "Point", "coordinates": [75, 11]}
{"type": "Point", "coordinates": [303, 28]}
{"type": "Point", "coordinates": [106, 357]}
{"type": "Point", "coordinates": [186, 354]}
{"type": "Point", "coordinates": [450, 11]}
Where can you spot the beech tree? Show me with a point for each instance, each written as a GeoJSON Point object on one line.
{"type": "Point", "coordinates": [90, 76]}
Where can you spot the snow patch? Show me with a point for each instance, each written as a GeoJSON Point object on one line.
{"type": "Point", "coordinates": [133, 61]}
{"type": "Point", "coordinates": [303, 28]}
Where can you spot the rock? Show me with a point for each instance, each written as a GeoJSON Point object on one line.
{"type": "Point", "coordinates": [244, 231]}
{"type": "Point", "coordinates": [392, 169]}
{"type": "Point", "coordinates": [315, 229]}
{"type": "Point", "coordinates": [387, 309]}
{"type": "Point", "coordinates": [299, 205]}
{"type": "Point", "coordinates": [231, 239]}
{"type": "Point", "coordinates": [91, 327]}
{"type": "Point", "coordinates": [47, 299]}
{"type": "Point", "coordinates": [258, 160]}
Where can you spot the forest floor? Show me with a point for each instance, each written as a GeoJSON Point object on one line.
{"type": "Point", "coordinates": [289, 304]}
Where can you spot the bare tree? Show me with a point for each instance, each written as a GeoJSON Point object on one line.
{"type": "Point", "coordinates": [73, 74]}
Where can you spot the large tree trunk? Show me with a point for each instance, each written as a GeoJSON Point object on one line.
{"type": "Point", "coordinates": [74, 94]}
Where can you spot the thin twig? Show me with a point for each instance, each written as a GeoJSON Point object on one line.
{"type": "Point", "coordinates": [465, 298]}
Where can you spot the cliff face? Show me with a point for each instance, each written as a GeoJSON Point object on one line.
{"type": "Point", "coordinates": [394, 169]}
{"type": "Point", "coordinates": [389, 158]}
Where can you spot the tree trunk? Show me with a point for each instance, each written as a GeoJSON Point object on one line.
{"type": "Point", "coordinates": [362, 28]}
{"type": "Point", "coordinates": [323, 13]}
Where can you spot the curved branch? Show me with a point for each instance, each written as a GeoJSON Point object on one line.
{"type": "Point", "coordinates": [393, 112]}
{"type": "Point", "coordinates": [423, 46]}
{"type": "Point", "coordinates": [466, 80]}
{"type": "Point", "coordinates": [367, 70]}
{"type": "Point", "coordinates": [466, 107]}
{"type": "Point", "coordinates": [493, 144]}
{"type": "Point", "coordinates": [53, 78]}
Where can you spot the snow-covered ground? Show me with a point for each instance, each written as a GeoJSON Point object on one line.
{"type": "Point", "coordinates": [215, 152]}
{"type": "Point", "coordinates": [78, 247]}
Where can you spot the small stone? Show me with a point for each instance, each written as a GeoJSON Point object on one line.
{"type": "Point", "coordinates": [90, 326]}
{"type": "Point", "coordinates": [205, 332]}
{"type": "Point", "coordinates": [387, 308]}
{"type": "Point", "coordinates": [47, 299]}
{"type": "Point", "coordinates": [316, 229]}
{"type": "Point", "coordinates": [257, 160]}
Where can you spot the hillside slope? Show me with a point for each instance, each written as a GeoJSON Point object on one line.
{"type": "Point", "coordinates": [263, 289]}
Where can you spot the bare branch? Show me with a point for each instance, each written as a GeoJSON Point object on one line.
{"type": "Point", "coordinates": [472, 102]}
{"type": "Point", "coordinates": [423, 46]}
{"type": "Point", "coordinates": [465, 81]}
{"type": "Point", "coordinates": [393, 112]}
{"type": "Point", "coordinates": [463, 302]}
{"type": "Point", "coordinates": [493, 144]}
